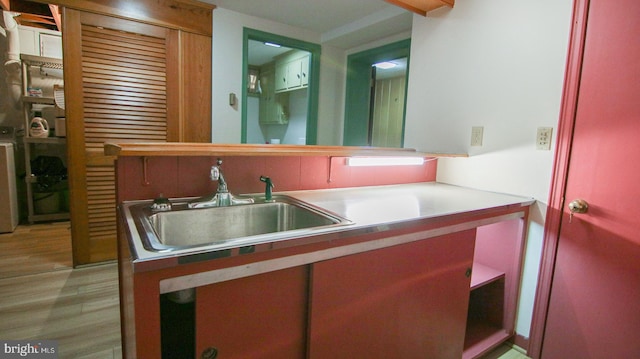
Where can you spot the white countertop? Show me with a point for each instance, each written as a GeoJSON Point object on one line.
{"type": "Point", "coordinates": [376, 205]}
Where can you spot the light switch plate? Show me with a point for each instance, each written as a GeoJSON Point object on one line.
{"type": "Point", "coordinates": [543, 138]}
{"type": "Point", "coordinates": [476, 135]}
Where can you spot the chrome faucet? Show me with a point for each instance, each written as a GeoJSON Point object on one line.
{"type": "Point", "coordinates": [222, 197]}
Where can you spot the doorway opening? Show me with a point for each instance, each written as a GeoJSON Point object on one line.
{"type": "Point", "coordinates": [280, 89]}
{"type": "Point", "coordinates": [375, 102]}
{"type": "Point", "coordinates": [386, 112]}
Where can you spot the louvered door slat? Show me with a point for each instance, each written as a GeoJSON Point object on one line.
{"type": "Point", "coordinates": [98, 65]}
{"type": "Point", "coordinates": [114, 76]}
{"type": "Point", "coordinates": [131, 64]}
{"type": "Point", "coordinates": [124, 37]}
{"type": "Point", "coordinates": [131, 49]}
{"type": "Point", "coordinates": [117, 97]}
{"type": "Point", "coordinates": [98, 108]}
{"type": "Point", "coordinates": [138, 85]}
{"type": "Point", "coordinates": [124, 98]}
{"type": "Point", "coordinates": [124, 90]}
{"type": "Point", "coordinates": [113, 91]}
{"type": "Point", "coordinates": [142, 124]}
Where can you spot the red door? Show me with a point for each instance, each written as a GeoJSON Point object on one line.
{"type": "Point", "coordinates": [594, 305]}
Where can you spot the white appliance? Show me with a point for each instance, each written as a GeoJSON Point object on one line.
{"type": "Point", "coordinates": [9, 215]}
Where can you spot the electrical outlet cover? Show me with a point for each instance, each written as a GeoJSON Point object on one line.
{"type": "Point", "coordinates": [543, 138]}
{"type": "Point", "coordinates": [476, 135]}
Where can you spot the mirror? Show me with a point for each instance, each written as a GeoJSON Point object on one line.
{"type": "Point", "coordinates": [236, 22]}
{"type": "Point", "coordinates": [277, 94]}
{"type": "Point", "coordinates": [280, 90]}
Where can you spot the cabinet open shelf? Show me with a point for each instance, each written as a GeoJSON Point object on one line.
{"type": "Point", "coordinates": [484, 339]}
{"type": "Point", "coordinates": [41, 61]}
{"type": "Point", "coordinates": [485, 318]}
{"type": "Point", "coordinates": [482, 275]}
{"type": "Point", "coordinates": [46, 140]}
{"type": "Point", "coordinates": [39, 100]}
{"type": "Point", "coordinates": [60, 216]}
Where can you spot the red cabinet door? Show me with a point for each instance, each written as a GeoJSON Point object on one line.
{"type": "Point", "coordinates": [406, 301]}
{"type": "Point", "coordinates": [262, 316]}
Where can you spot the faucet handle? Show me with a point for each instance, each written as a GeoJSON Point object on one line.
{"type": "Point", "coordinates": [215, 170]}
{"type": "Point", "coordinates": [215, 173]}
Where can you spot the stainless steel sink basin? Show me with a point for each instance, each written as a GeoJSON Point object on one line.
{"type": "Point", "coordinates": [246, 224]}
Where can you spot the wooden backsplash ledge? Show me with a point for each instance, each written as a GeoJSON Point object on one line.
{"type": "Point", "coordinates": [212, 149]}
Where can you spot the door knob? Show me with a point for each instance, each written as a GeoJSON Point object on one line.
{"type": "Point", "coordinates": [577, 206]}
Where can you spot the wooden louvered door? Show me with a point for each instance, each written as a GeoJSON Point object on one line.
{"type": "Point", "coordinates": [121, 95]}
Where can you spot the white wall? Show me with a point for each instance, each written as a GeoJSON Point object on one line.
{"type": "Point", "coordinates": [254, 133]}
{"type": "Point", "coordinates": [296, 130]}
{"type": "Point", "coordinates": [331, 97]}
{"type": "Point", "coordinates": [293, 133]}
{"type": "Point", "coordinates": [498, 64]}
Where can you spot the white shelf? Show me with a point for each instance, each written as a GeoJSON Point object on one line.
{"type": "Point", "coordinates": [39, 100]}
{"type": "Point", "coordinates": [48, 217]}
{"type": "Point", "coordinates": [482, 275]}
{"type": "Point", "coordinates": [46, 140]}
{"type": "Point", "coordinates": [48, 62]}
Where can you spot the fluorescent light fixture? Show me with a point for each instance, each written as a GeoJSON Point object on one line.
{"type": "Point", "coordinates": [384, 161]}
{"type": "Point", "coordinates": [385, 65]}
{"type": "Point", "coordinates": [271, 44]}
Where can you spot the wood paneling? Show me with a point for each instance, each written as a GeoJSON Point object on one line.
{"type": "Point", "coordinates": [196, 65]}
{"type": "Point", "coordinates": [186, 15]}
{"type": "Point", "coordinates": [129, 81]}
{"type": "Point", "coordinates": [76, 156]}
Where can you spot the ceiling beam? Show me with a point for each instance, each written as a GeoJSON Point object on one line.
{"type": "Point", "coordinates": [57, 17]}
{"type": "Point", "coordinates": [422, 7]}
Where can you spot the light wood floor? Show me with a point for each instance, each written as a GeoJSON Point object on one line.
{"type": "Point", "coordinates": [506, 352]}
{"type": "Point", "coordinates": [79, 308]}
{"type": "Point", "coordinates": [44, 298]}
{"type": "Point", "coordinates": [35, 249]}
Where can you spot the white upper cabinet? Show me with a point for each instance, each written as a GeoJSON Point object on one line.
{"type": "Point", "coordinates": [292, 71]}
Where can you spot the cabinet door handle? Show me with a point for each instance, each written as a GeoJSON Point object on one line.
{"type": "Point", "coordinates": [209, 353]}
